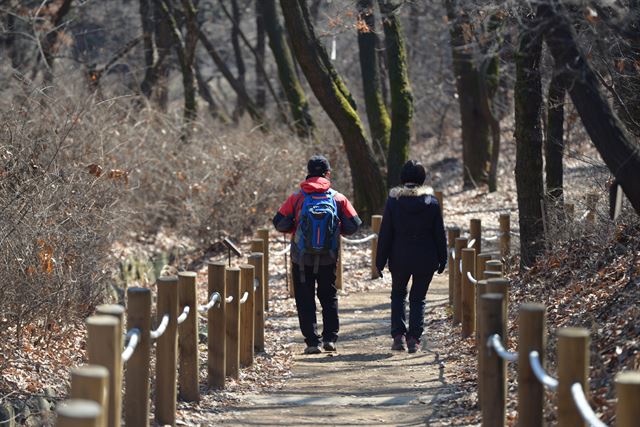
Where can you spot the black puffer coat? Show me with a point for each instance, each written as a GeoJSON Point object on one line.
{"type": "Point", "coordinates": [412, 236]}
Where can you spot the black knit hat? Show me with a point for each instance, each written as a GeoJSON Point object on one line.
{"type": "Point", "coordinates": [318, 166]}
{"type": "Point", "coordinates": [413, 172]}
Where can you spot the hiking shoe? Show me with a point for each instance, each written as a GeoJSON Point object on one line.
{"type": "Point", "coordinates": [399, 343]}
{"type": "Point", "coordinates": [313, 349]}
{"type": "Point", "coordinates": [413, 344]}
{"type": "Point", "coordinates": [329, 346]}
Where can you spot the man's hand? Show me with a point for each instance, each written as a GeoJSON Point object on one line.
{"type": "Point", "coordinates": [380, 272]}
{"type": "Point", "coordinates": [441, 267]}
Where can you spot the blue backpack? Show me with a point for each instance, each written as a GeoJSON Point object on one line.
{"type": "Point", "coordinates": [318, 226]}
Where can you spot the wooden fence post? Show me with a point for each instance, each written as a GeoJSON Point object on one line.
{"type": "Point", "coordinates": [376, 220]}
{"type": "Point", "coordinates": [573, 367]}
{"type": "Point", "coordinates": [263, 233]}
{"type": "Point", "coordinates": [247, 316]}
{"type": "Point", "coordinates": [492, 275]}
{"type": "Point", "coordinates": [468, 292]}
{"type": "Point", "coordinates": [257, 245]}
{"type": "Point", "coordinates": [103, 336]}
{"type": "Point", "coordinates": [501, 286]}
{"type": "Point", "coordinates": [339, 268]}
{"type": "Point", "coordinates": [233, 323]}
{"type": "Point", "coordinates": [475, 233]}
{"type": "Point", "coordinates": [189, 369]}
{"type": "Point", "coordinates": [255, 259]}
{"type": "Point", "coordinates": [481, 289]}
{"type": "Point", "coordinates": [136, 398]}
{"type": "Point", "coordinates": [481, 264]}
{"type": "Point", "coordinates": [167, 351]}
{"type": "Point", "coordinates": [115, 378]}
{"type": "Point", "coordinates": [78, 413]}
{"type": "Point", "coordinates": [492, 378]}
{"type": "Point", "coordinates": [628, 391]}
{"type": "Point", "coordinates": [91, 382]}
{"type": "Point", "coordinates": [505, 234]}
{"type": "Point", "coordinates": [494, 265]}
{"type": "Point", "coordinates": [452, 234]}
{"type": "Point", "coordinates": [532, 336]}
{"type": "Point", "coordinates": [216, 326]}
{"type": "Point", "coordinates": [461, 243]}
{"type": "Point", "coordinates": [440, 197]}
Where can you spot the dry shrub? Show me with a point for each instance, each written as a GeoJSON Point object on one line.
{"type": "Point", "coordinates": [56, 223]}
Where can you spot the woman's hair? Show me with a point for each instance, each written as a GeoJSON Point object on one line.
{"type": "Point", "coordinates": [413, 172]}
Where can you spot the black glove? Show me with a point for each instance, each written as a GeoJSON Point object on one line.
{"type": "Point", "coordinates": [441, 267]}
{"type": "Point", "coordinates": [380, 272]}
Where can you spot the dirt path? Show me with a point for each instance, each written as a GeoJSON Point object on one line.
{"type": "Point", "coordinates": [365, 383]}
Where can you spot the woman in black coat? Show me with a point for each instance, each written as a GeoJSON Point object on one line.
{"type": "Point", "coordinates": [412, 239]}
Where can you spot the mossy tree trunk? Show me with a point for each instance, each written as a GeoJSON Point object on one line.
{"type": "Point", "coordinates": [293, 91]}
{"type": "Point", "coordinates": [554, 142]}
{"type": "Point", "coordinates": [475, 129]}
{"type": "Point", "coordinates": [333, 95]}
{"type": "Point", "coordinates": [528, 135]}
{"type": "Point", "coordinates": [620, 154]}
{"type": "Point", "coordinates": [400, 88]}
{"type": "Point", "coordinates": [379, 121]}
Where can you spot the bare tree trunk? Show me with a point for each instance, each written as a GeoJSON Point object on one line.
{"type": "Point", "coordinates": [162, 36]}
{"type": "Point", "coordinates": [554, 142]}
{"type": "Point", "coordinates": [528, 135]}
{"type": "Point", "coordinates": [401, 96]}
{"type": "Point", "coordinates": [298, 103]}
{"type": "Point", "coordinates": [205, 93]}
{"type": "Point", "coordinates": [475, 130]}
{"type": "Point", "coordinates": [261, 93]}
{"type": "Point", "coordinates": [51, 39]}
{"type": "Point", "coordinates": [368, 184]}
{"type": "Point", "coordinates": [379, 121]}
{"type": "Point", "coordinates": [605, 129]}
{"type": "Point", "coordinates": [315, 10]}
{"type": "Point", "coordinates": [237, 50]}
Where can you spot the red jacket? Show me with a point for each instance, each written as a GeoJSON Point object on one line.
{"type": "Point", "coordinates": [286, 220]}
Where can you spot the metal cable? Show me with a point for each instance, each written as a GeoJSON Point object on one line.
{"type": "Point", "coordinates": [460, 266]}
{"type": "Point", "coordinates": [453, 254]}
{"type": "Point", "coordinates": [244, 298]}
{"type": "Point", "coordinates": [583, 406]}
{"type": "Point", "coordinates": [539, 372]}
{"type": "Point", "coordinates": [357, 241]}
{"type": "Point", "coordinates": [495, 342]}
{"type": "Point", "coordinates": [183, 316]}
{"type": "Point", "coordinates": [133, 338]}
{"type": "Point", "coordinates": [282, 252]}
{"type": "Point", "coordinates": [471, 279]}
{"type": "Point", "coordinates": [215, 298]}
{"type": "Point", "coordinates": [229, 299]}
{"type": "Point", "coordinates": [471, 243]}
{"type": "Point", "coordinates": [256, 284]}
{"type": "Point", "coordinates": [157, 333]}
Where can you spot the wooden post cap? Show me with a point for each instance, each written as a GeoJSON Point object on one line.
{"type": "Point", "coordinates": [90, 371]}
{"type": "Point", "coordinates": [111, 309]}
{"type": "Point", "coordinates": [167, 280]}
{"type": "Point", "coordinates": [102, 320]}
{"type": "Point", "coordinates": [216, 263]}
{"type": "Point", "coordinates": [572, 332]}
{"type": "Point", "coordinates": [628, 378]}
{"type": "Point", "coordinates": [187, 274]}
{"type": "Point", "coordinates": [532, 306]}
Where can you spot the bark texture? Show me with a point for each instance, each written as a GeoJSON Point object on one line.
{"type": "Point", "coordinates": [400, 87]}
{"type": "Point", "coordinates": [368, 184]}
{"type": "Point", "coordinates": [620, 154]}
{"type": "Point", "coordinates": [554, 142]}
{"type": "Point", "coordinates": [296, 98]}
{"type": "Point", "coordinates": [377, 115]}
{"type": "Point", "coordinates": [528, 135]}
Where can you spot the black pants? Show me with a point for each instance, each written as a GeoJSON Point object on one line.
{"type": "Point", "coordinates": [417, 302]}
{"type": "Point", "coordinates": [306, 302]}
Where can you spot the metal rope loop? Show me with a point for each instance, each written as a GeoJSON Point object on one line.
{"type": "Point", "coordinates": [471, 279]}
{"type": "Point", "coordinates": [539, 372]}
{"type": "Point", "coordinates": [583, 406]}
{"type": "Point", "coordinates": [229, 299]}
{"type": "Point", "coordinates": [471, 243]}
{"type": "Point", "coordinates": [495, 342]}
{"type": "Point", "coordinates": [244, 298]}
{"type": "Point", "coordinates": [157, 333]}
{"type": "Point", "coordinates": [133, 338]}
{"type": "Point", "coordinates": [183, 316]}
{"type": "Point", "coordinates": [282, 252]}
{"type": "Point", "coordinates": [215, 298]}
{"type": "Point", "coordinates": [256, 284]}
{"type": "Point", "coordinates": [357, 241]}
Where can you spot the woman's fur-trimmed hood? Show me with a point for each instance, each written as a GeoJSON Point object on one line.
{"type": "Point", "coordinates": [404, 191]}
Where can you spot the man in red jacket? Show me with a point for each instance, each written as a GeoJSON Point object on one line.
{"type": "Point", "coordinates": [309, 269]}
